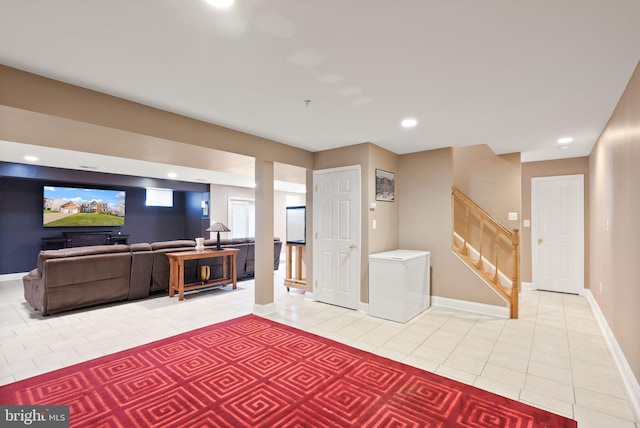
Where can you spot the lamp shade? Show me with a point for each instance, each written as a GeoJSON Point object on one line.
{"type": "Point", "coordinates": [218, 227]}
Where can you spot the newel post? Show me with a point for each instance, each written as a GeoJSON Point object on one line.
{"type": "Point", "coordinates": [515, 278]}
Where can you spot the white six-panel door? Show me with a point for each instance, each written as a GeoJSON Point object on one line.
{"type": "Point", "coordinates": [557, 233]}
{"type": "Point", "coordinates": [336, 237]}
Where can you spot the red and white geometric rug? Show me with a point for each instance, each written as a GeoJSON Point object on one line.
{"type": "Point", "coordinates": [253, 372]}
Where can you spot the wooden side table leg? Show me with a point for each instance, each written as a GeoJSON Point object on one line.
{"type": "Point", "coordinates": [233, 270]}
{"type": "Point", "coordinates": [173, 284]}
{"type": "Point", "coordinates": [181, 280]}
{"type": "Point", "coordinates": [225, 267]}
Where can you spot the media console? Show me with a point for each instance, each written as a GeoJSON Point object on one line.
{"type": "Point", "coordinates": [82, 239]}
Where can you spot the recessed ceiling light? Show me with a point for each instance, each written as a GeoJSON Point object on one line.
{"type": "Point", "coordinates": [409, 123]}
{"type": "Point", "coordinates": [565, 140]}
{"type": "Point", "coordinates": [172, 175]}
{"type": "Point", "coordinates": [30, 158]}
{"type": "Point", "coordinates": [220, 4]}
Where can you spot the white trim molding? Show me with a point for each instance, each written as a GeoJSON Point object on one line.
{"type": "Point", "coordinates": [363, 307]}
{"type": "Point", "coordinates": [527, 286]}
{"type": "Point", "coordinates": [12, 276]}
{"type": "Point", "coordinates": [629, 379]}
{"type": "Point", "coordinates": [463, 305]}
{"type": "Point", "coordinates": [261, 310]}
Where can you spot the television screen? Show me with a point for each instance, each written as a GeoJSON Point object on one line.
{"type": "Point", "coordinates": [296, 225]}
{"type": "Point", "coordinates": [72, 207]}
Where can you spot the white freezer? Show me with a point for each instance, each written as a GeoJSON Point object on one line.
{"type": "Point", "coordinates": [399, 284]}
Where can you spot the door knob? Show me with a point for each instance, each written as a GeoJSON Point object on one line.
{"type": "Point", "coordinates": [540, 241]}
{"type": "Point", "coordinates": [353, 246]}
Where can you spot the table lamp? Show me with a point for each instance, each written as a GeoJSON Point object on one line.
{"type": "Point", "coordinates": [218, 227]}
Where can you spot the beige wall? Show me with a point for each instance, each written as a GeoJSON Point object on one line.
{"type": "Point", "coordinates": [530, 170]}
{"type": "Point", "coordinates": [420, 217]}
{"type": "Point", "coordinates": [385, 236]}
{"type": "Point", "coordinates": [614, 171]}
{"type": "Point", "coordinates": [491, 181]}
{"type": "Point", "coordinates": [425, 217]}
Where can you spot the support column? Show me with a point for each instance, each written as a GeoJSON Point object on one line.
{"type": "Point", "coordinates": [264, 238]}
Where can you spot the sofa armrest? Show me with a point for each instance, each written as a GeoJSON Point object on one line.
{"type": "Point", "coordinates": [141, 266]}
{"type": "Point", "coordinates": [34, 291]}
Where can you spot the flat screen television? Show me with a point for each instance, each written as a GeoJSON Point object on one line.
{"type": "Point", "coordinates": [296, 225]}
{"type": "Point", "coordinates": [78, 207]}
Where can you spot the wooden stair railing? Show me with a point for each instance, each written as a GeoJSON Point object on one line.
{"type": "Point", "coordinates": [472, 223]}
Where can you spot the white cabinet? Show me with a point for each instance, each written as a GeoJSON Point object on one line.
{"type": "Point", "coordinates": [399, 284]}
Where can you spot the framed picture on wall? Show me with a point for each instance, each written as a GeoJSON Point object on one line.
{"type": "Point", "coordinates": [385, 186]}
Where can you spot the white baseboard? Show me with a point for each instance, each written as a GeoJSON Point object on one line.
{"type": "Point", "coordinates": [527, 286]}
{"type": "Point", "coordinates": [12, 276]}
{"type": "Point", "coordinates": [629, 379]}
{"type": "Point", "coordinates": [269, 308]}
{"type": "Point", "coordinates": [363, 307]}
{"type": "Point", "coordinates": [463, 305]}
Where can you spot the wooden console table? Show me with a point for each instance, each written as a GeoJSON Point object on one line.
{"type": "Point", "coordinates": [176, 270]}
{"type": "Point", "coordinates": [290, 280]}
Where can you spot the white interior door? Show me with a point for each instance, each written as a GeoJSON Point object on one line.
{"type": "Point", "coordinates": [336, 223]}
{"type": "Point", "coordinates": [557, 233]}
{"type": "Point", "coordinates": [242, 217]}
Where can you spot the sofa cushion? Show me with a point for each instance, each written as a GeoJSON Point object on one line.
{"type": "Point", "coordinates": [140, 247]}
{"type": "Point", "coordinates": [77, 252]}
{"type": "Point", "coordinates": [62, 272]}
{"type": "Point", "coordinates": [83, 251]}
{"type": "Point", "coordinates": [181, 243]}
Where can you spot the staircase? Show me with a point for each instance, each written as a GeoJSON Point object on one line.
{"type": "Point", "coordinates": [486, 246]}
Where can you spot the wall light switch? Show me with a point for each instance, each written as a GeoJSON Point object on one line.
{"type": "Point", "coordinates": [374, 224]}
{"type": "Point", "coordinates": [513, 216]}
{"type": "Point", "coordinates": [526, 223]}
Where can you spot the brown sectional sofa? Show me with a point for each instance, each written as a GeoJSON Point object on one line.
{"type": "Point", "coordinates": [245, 259]}
{"type": "Point", "coordinates": [160, 267]}
{"type": "Point", "coordinates": [72, 278]}
{"type": "Point", "coordinates": [77, 277]}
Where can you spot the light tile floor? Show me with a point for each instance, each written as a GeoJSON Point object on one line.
{"type": "Point", "coordinates": [553, 357]}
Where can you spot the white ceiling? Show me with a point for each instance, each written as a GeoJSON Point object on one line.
{"type": "Point", "coordinates": [514, 74]}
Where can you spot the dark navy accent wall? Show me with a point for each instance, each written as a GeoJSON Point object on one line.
{"type": "Point", "coordinates": [20, 224]}
{"type": "Point", "coordinates": [195, 225]}
{"type": "Point", "coordinates": [21, 211]}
